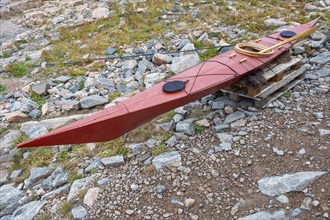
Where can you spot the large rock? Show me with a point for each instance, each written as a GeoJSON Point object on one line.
{"type": "Point", "coordinates": [160, 59]}
{"type": "Point", "coordinates": [277, 185]}
{"type": "Point", "coordinates": [322, 58]}
{"type": "Point", "coordinates": [28, 105]}
{"type": "Point", "coordinates": [78, 212]}
{"type": "Point", "coordinates": [186, 127]}
{"type": "Point", "coordinates": [67, 105]}
{"type": "Point", "coordinates": [234, 117]}
{"type": "Point", "coordinates": [153, 78]}
{"type": "Point", "coordinates": [100, 13]}
{"type": "Point", "coordinates": [16, 116]}
{"type": "Point", "coordinates": [113, 161]}
{"type": "Point", "coordinates": [37, 131]}
{"type": "Point", "coordinates": [4, 177]}
{"type": "Point", "coordinates": [9, 195]}
{"type": "Point", "coordinates": [28, 211]}
{"type": "Point", "coordinates": [180, 64]}
{"type": "Point", "coordinates": [92, 101]}
{"type": "Point", "coordinates": [167, 159]}
{"type": "Point", "coordinates": [60, 179]}
{"type": "Point", "coordinates": [274, 22]}
{"type": "Point", "coordinates": [52, 123]}
{"type": "Point", "coordinates": [56, 192]}
{"type": "Point", "coordinates": [40, 88]}
{"type": "Point", "coordinates": [129, 65]}
{"type": "Point", "coordinates": [39, 173]}
{"type": "Point", "coordinates": [7, 141]}
{"type": "Point", "coordinates": [79, 185]}
{"type": "Point", "coordinates": [101, 82]}
{"type": "Point", "coordinates": [93, 165]}
{"type": "Point", "coordinates": [137, 148]}
{"type": "Point", "coordinates": [277, 215]}
{"type": "Point", "coordinates": [91, 196]}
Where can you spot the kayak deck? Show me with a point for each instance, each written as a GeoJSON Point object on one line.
{"type": "Point", "coordinates": [203, 79]}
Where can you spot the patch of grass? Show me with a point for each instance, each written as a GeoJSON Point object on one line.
{"type": "Point", "coordinates": [66, 208]}
{"type": "Point", "coordinates": [208, 54]}
{"type": "Point", "coordinates": [287, 95]}
{"type": "Point", "coordinates": [18, 69]}
{"type": "Point", "coordinates": [82, 194]}
{"type": "Point", "coordinates": [38, 99]}
{"type": "Point", "coordinates": [5, 54]}
{"type": "Point", "coordinates": [62, 156]}
{"type": "Point", "coordinates": [77, 72]}
{"type": "Point", "coordinates": [158, 150]}
{"type": "Point", "coordinates": [73, 176]}
{"type": "Point", "coordinates": [150, 170]}
{"type": "Point", "coordinates": [198, 129]}
{"type": "Point", "coordinates": [113, 96]}
{"type": "Point", "coordinates": [112, 148]}
{"type": "Point", "coordinates": [2, 88]}
{"type": "Point", "coordinates": [43, 216]}
{"type": "Point", "coordinates": [198, 44]}
{"type": "Point", "coordinates": [166, 117]}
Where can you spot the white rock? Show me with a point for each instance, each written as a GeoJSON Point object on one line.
{"type": "Point", "coordinates": [100, 13]}
{"type": "Point", "coordinates": [91, 196]}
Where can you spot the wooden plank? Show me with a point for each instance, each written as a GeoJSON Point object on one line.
{"type": "Point", "coordinates": [264, 102]}
{"type": "Point", "coordinates": [276, 85]}
{"type": "Point", "coordinates": [281, 68]}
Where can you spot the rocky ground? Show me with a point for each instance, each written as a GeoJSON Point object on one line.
{"type": "Point", "coordinates": [214, 158]}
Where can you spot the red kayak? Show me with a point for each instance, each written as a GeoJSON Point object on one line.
{"type": "Point", "coordinates": [192, 84]}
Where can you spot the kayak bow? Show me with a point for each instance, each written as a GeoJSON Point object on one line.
{"type": "Point", "coordinates": [205, 78]}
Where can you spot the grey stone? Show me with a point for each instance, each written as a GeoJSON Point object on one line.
{"type": "Point", "coordinates": [15, 174]}
{"type": "Point", "coordinates": [324, 132]}
{"type": "Point", "coordinates": [101, 82]}
{"type": "Point", "coordinates": [153, 78]}
{"type": "Point", "coordinates": [60, 179]}
{"type": "Point", "coordinates": [180, 64]}
{"type": "Point", "coordinates": [277, 215]}
{"type": "Point", "coordinates": [4, 177]}
{"type": "Point", "coordinates": [306, 204]}
{"type": "Point", "coordinates": [160, 59]}
{"type": "Point", "coordinates": [274, 22]}
{"type": "Point", "coordinates": [298, 50]}
{"type": "Point", "coordinates": [160, 189]}
{"type": "Point", "coordinates": [79, 185]}
{"type": "Point", "coordinates": [35, 113]}
{"type": "Point", "coordinates": [28, 211]}
{"type": "Point", "coordinates": [129, 65]}
{"type": "Point", "coordinates": [277, 185]}
{"type": "Point", "coordinates": [323, 73]}
{"type": "Point", "coordinates": [13, 206]}
{"type": "Point", "coordinates": [100, 12]}
{"type": "Point", "coordinates": [182, 43]}
{"type": "Point", "coordinates": [225, 146]}
{"type": "Point", "coordinates": [221, 128]}
{"type": "Point", "coordinates": [91, 196]}
{"type": "Point", "coordinates": [234, 117]}
{"type": "Point", "coordinates": [7, 141]}
{"type": "Point", "coordinates": [296, 212]}
{"type": "Point", "coordinates": [94, 165]}
{"type": "Point", "coordinates": [56, 192]}
{"type": "Point", "coordinates": [103, 181]}
{"type": "Point", "coordinates": [39, 173]}
{"type": "Point", "coordinates": [225, 137]}
{"type": "Point", "coordinates": [167, 159]}
{"type": "Point", "coordinates": [110, 51]}
{"type": "Point", "coordinates": [37, 131]}
{"type": "Point", "coordinates": [40, 88]}
{"type": "Point", "coordinates": [321, 59]}
{"type": "Point", "coordinates": [92, 101]}
{"type": "Point", "coordinates": [282, 199]}
{"type": "Point", "coordinates": [186, 127]}
{"type": "Point", "coordinates": [9, 195]}
{"type": "Point", "coordinates": [79, 212]}
{"type": "Point", "coordinates": [196, 105]}
{"type": "Point", "coordinates": [137, 148]}
{"type": "Point", "coordinates": [177, 202]}
{"type": "Point", "coordinates": [113, 161]}
{"type": "Point", "coordinates": [172, 141]}
{"type": "Point", "coordinates": [62, 79]}
{"type": "Point", "coordinates": [67, 104]}
{"type": "Point", "coordinates": [167, 126]}
{"type": "Point", "coordinates": [28, 105]}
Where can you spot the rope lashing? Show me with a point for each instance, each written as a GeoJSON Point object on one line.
{"type": "Point", "coordinates": [257, 50]}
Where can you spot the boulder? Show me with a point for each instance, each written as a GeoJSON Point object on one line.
{"type": "Point", "coordinates": [167, 159]}
{"type": "Point", "coordinates": [92, 101]}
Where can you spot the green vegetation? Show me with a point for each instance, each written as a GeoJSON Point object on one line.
{"type": "Point", "coordinates": [158, 150]}
{"type": "Point", "coordinates": [18, 69]}
{"type": "Point", "coordinates": [66, 208]}
{"type": "Point", "coordinates": [287, 95]}
{"type": "Point", "coordinates": [5, 55]}
{"type": "Point", "coordinates": [111, 148]}
{"type": "Point", "coordinates": [166, 117]}
{"type": "Point", "coordinates": [43, 216]}
{"type": "Point", "coordinates": [2, 88]}
{"type": "Point", "coordinates": [113, 96]}
{"type": "Point", "coordinates": [38, 99]}
{"type": "Point", "coordinates": [198, 129]}
{"type": "Point", "coordinates": [73, 176]}
{"type": "Point", "coordinates": [82, 193]}
{"type": "Point", "coordinates": [63, 156]}
{"type": "Point", "coordinates": [208, 54]}
{"type": "Point", "coordinates": [150, 170]}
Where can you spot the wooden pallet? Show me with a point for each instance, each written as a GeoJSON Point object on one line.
{"type": "Point", "coordinates": [281, 78]}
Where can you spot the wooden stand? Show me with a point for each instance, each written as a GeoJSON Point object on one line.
{"type": "Point", "coordinates": [280, 76]}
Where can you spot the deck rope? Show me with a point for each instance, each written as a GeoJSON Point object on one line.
{"type": "Point", "coordinates": [258, 50]}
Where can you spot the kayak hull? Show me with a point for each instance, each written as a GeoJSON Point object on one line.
{"type": "Point", "coordinates": [203, 79]}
